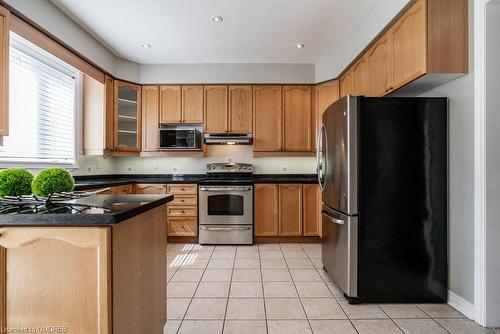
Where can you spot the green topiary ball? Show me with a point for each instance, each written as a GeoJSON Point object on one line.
{"type": "Point", "coordinates": [52, 180]}
{"type": "Point", "coordinates": [15, 182]}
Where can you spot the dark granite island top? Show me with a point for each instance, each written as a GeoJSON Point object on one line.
{"type": "Point", "coordinates": [105, 210]}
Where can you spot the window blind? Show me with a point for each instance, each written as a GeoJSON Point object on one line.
{"type": "Point", "coordinates": [42, 107]}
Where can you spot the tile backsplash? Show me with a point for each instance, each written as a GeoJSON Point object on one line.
{"type": "Point", "coordinates": [89, 165]}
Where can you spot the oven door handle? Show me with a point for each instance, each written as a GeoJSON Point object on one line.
{"type": "Point", "coordinates": [205, 228]}
{"type": "Point", "coordinates": [225, 189]}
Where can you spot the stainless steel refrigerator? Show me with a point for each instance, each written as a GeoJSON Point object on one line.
{"type": "Point", "coordinates": [382, 168]}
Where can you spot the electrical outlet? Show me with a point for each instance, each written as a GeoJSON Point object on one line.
{"type": "Point", "coordinates": [229, 159]}
{"type": "Point", "coordinates": [155, 163]}
{"type": "Point", "coordinates": [175, 169]}
{"type": "Point", "coordinates": [98, 164]}
{"type": "Point", "coordinates": [89, 170]}
{"type": "Point", "coordinates": [129, 168]}
{"type": "Point", "coordinates": [284, 168]}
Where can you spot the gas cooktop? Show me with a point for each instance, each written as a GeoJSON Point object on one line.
{"type": "Point", "coordinates": [228, 174]}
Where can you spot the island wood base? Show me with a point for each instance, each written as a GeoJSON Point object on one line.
{"type": "Point", "coordinates": [85, 279]}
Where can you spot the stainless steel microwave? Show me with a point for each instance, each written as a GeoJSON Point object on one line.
{"type": "Point", "coordinates": [181, 138]}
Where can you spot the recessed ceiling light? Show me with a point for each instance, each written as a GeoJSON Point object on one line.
{"type": "Point", "coordinates": [217, 19]}
{"type": "Point", "coordinates": [146, 46]}
{"type": "Point", "coordinates": [299, 46]}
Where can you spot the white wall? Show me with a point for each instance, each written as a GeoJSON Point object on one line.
{"type": "Point", "coordinates": [227, 73]}
{"type": "Point", "coordinates": [222, 153]}
{"type": "Point", "coordinates": [461, 177]}
{"type": "Point", "coordinates": [492, 164]}
{"type": "Point", "coordinates": [128, 70]}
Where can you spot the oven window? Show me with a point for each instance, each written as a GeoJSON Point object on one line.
{"type": "Point", "coordinates": [225, 205]}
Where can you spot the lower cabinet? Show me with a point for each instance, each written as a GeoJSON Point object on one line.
{"type": "Point", "coordinates": [116, 190]}
{"type": "Point", "coordinates": [286, 210]}
{"type": "Point", "coordinates": [182, 212]}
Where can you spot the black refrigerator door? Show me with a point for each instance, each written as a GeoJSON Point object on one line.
{"type": "Point", "coordinates": [403, 200]}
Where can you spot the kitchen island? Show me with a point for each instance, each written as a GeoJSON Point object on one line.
{"type": "Point", "coordinates": [102, 270]}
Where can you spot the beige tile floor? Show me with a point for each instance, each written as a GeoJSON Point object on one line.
{"type": "Point", "coordinates": [282, 288]}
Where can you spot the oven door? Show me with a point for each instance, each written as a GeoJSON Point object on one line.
{"type": "Point", "coordinates": [225, 205]}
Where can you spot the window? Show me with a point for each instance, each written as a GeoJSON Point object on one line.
{"type": "Point", "coordinates": [42, 108]}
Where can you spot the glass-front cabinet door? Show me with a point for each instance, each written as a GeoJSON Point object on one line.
{"type": "Point", "coordinates": [127, 116]}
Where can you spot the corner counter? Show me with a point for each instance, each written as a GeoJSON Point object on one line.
{"type": "Point", "coordinates": [97, 272]}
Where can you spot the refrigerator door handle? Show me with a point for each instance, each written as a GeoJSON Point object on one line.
{"type": "Point", "coordinates": [321, 165]}
{"type": "Point", "coordinates": [334, 220]}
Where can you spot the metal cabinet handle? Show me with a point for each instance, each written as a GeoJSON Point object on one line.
{"type": "Point", "coordinates": [225, 189]}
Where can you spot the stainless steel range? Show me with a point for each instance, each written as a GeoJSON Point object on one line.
{"type": "Point", "coordinates": [226, 204]}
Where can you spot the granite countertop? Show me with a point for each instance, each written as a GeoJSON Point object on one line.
{"type": "Point", "coordinates": [102, 181]}
{"type": "Point", "coordinates": [111, 209]}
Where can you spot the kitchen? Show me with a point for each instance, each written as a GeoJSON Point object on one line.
{"type": "Point", "coordinates": [229, 149]}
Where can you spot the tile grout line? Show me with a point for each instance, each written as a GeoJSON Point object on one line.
{"type": "Point", "coordinates": [296, 290]}
{"type": "Point", "coordinates": [421, 309]}
{"type": "Point", "coordinates": [197, 286]}
{"type": "Point", "coordinates": [230, 286]}
{"type": "Point", "coordinates": [323, 280]}
{"type": "Point", "coordinates": [262, 284]}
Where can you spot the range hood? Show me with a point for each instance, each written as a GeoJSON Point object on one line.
{"type": "Point", "coordinates": [228, 138]}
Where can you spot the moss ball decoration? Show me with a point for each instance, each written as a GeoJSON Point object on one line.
{"type": "Point", "coordinates": [15, 182]}
{"type": "Point", "coordinates": [52, 180]}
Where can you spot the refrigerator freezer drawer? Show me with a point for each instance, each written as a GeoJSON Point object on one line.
{"type": "Point", "coordinates": [226, 234]}
{"type": "Point", "coordinates": [340, 250]}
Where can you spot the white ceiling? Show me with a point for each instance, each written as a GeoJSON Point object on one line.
{"type": "Point", "coordinates": [253, 31]}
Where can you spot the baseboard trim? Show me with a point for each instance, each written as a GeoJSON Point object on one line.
{"type": "Point", "coordinates": [461, 305]}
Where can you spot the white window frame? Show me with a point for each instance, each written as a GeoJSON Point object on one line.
{"type": "Point", "coordinates": [36, 52]}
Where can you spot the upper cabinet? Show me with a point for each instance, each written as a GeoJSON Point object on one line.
{"type": "Point", "coordinates": [297, 118]}
{"type": "Point", "coordinates": [192, 104]}
{"type": "Point", "coordinates": [216, 109]}
{"type": "Point", "coordinates": [379, 59]}
{"type": "Point", "coordinates": [4, 71]}
{"type": "Point", "coordinates": [347, 84]}
{"type": "Point", "coordinates": [324, 95]}
{"type": "Point", "coordinates": [409, 44]}
{"type": "Point", "coordinates": [109, 112]}
{"type": "Point", "coordinates": [268, 118]}
{"type": "Point", "coordinates": [429, 38]}
{"type": "Point", "coordinates": [127, 124]}
{"type": "Point", "coordinates": [170, 104]}
{"type": "Point", "coordinates": [150, 118]}
{"type": "Point", "coordinates": [240, 109]}
{"type": "Point", "coordinates": [360, 77]}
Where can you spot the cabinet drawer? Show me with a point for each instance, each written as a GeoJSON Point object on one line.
{"type": "Point", "coordinates": [123, 190]}
{"type": "Point", "coordinates": [181, 189]}
{"type": "Point", "coordinates": [184, 200]}
{"type": "Point", "coordinates": [182, 227]}
{"type": "Point", "coordinates": [182, 211]}
{"type": "Point", "coordinates": [150, 188]}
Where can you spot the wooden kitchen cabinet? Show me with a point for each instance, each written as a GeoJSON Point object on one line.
{"type": "Point", "coordinates": [268, 119]}
{"type": "Point", "coordinates": [127, 121]}
{"type": "Point", "coordinates": [266, 213]}
{"type": "Point", "coordinates": [240, 109]}
{"type": "Point", "coordinates": [150, 188]}
{"type": "Point", "coordinates": [360, 72]}
{"type": "Point", "coordinates": [216, 109]}
{"type": "Point", "coordinates": [182, 212]}
{"type": "Point", "coordinates": [379, 59]}
{"type": "Point", "coordinates": [297, 118]}
{"type": "Point", "coordinates": [4, 71]}
{"type": "Point", "coordinates": [192, 104]}
{"type": "Point", "coordinates": [109, 110]}
{"type": "Point", "coordinates": [311, 204]}
{"type": "Point", "coordinates": [409, 45]}
{"type": "Point", "coordinates": [150, 121]}
{"type": "Point", "coordinates": [290, 222]}
{"type": "Point", "coordinates": [170, 105]}
{"type": "Point", "coordinates": [123, 190]}
{"type": "Point", "coordinates": [347, 84]}
{"type": "Point", "coordinates": [324, 95]}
